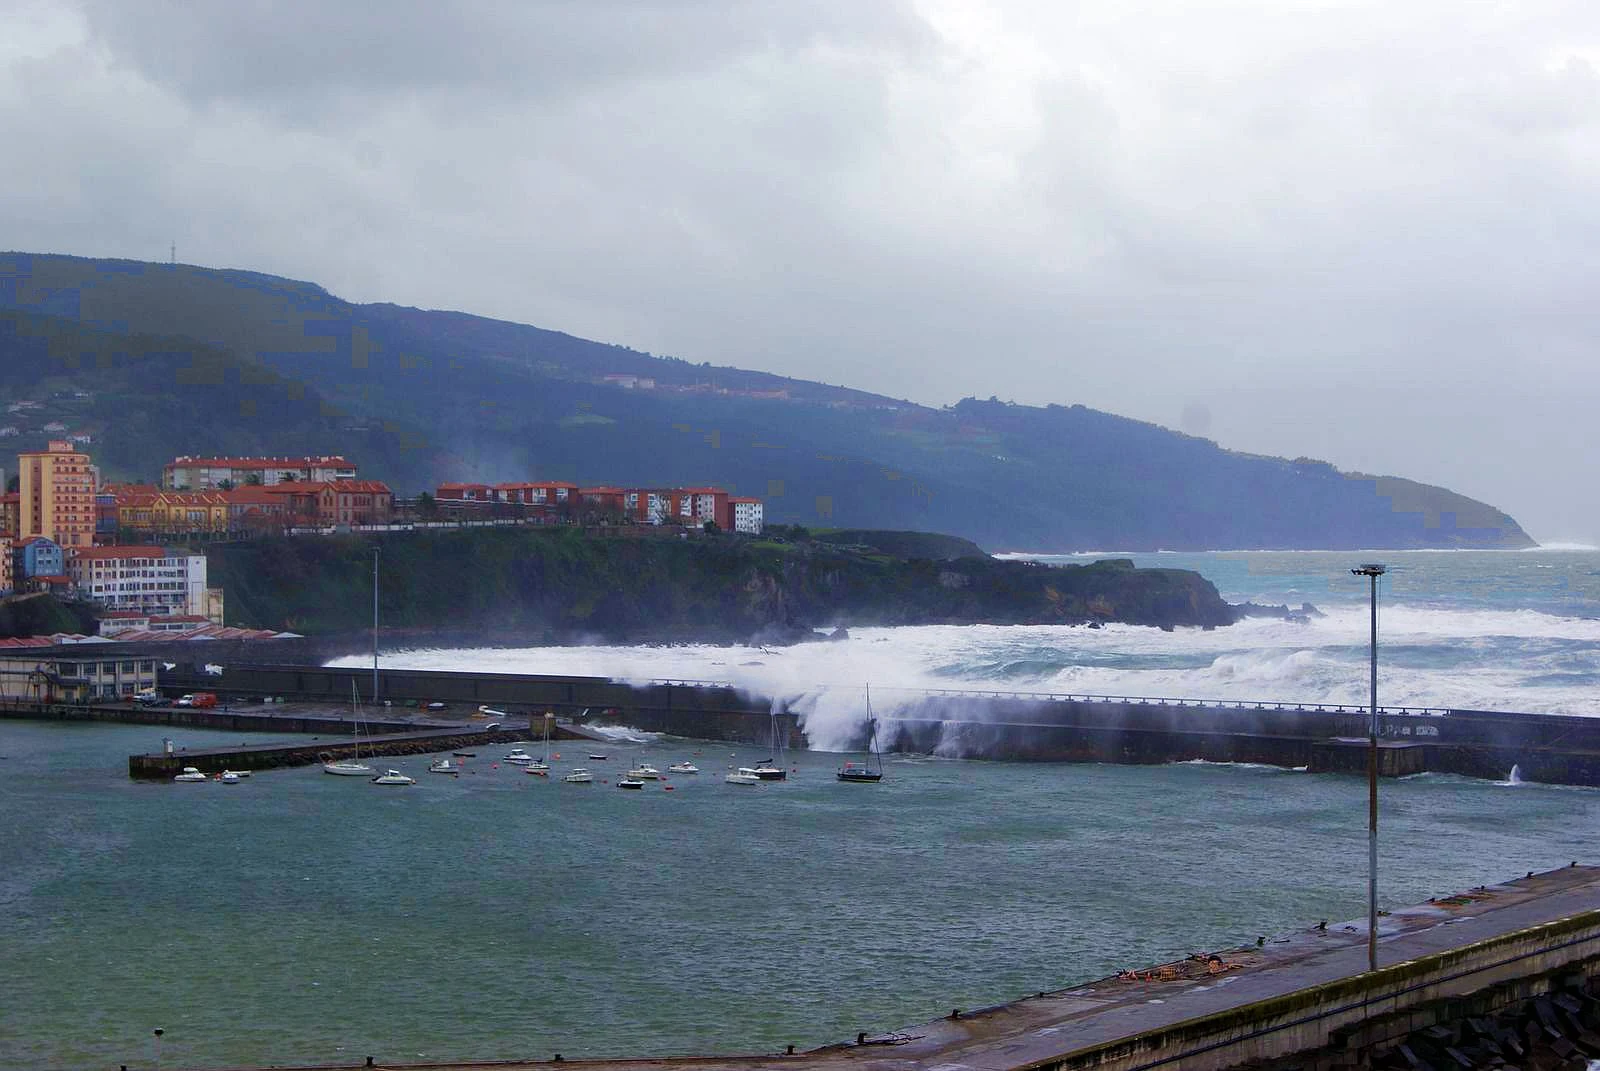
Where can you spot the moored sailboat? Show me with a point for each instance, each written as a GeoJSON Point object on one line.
{"type": "Point", "coordinates": [871, 770]}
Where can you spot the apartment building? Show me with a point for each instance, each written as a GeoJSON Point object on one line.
{"type": "Point", "coordinates": [36, 559]}
{"type": "Point", "coordinates": [749, 515]}
{"type": "Point", "coordinates": [7, 568]}
{"type": "Point", "coordinates": [212, 473]}
{"type": "Point", "coordinates": [152, 580]}
{"type": "Point", "coordinates": [10, 513]}
{"type": "Point", "coordinates": [56, 495]}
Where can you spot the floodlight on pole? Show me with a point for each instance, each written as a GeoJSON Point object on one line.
{"type": "Point", "coordinates": [1372, 571]}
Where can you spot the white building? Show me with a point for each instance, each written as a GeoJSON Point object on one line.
{"type": "Point", "coordinates": [149, 580]}
{"type": "Point", "coordinates": [208, 473]}
{"type": "Point", "coordinates": [748, 515]}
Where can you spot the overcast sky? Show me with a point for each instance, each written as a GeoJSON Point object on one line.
{"type": "Point", "coordinates": [1360, 231]}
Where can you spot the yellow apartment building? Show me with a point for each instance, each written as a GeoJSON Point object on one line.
{"type": "Point", "coordinates": [56, 495]}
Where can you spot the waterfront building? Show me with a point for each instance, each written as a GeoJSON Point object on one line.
{"type": "Point", "coordinates": [213, 473]}
{"type": "Point", "coordinates": [7, 569]}
{"type": "Point", "coordinates": [153, 580]}
{"type": "Point", "coordinates": [748, 515]}
{"type": "Point", "coordinates": [10, 513]}
{"type": "Point", "coordinates": [74, 678]}
{"type": "Point", "coordinates": [56, 495]}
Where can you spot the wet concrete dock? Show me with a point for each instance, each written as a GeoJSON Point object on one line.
{"type": "Point", "coordinates": [1293, 994]}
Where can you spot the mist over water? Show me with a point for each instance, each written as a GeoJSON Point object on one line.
{"type": "Point", "coordinates": [1516, 630]}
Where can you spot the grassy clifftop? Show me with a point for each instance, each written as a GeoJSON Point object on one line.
{"type": "Point", "coordinates": [563, 585]}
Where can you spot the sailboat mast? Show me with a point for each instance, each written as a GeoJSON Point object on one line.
{"type": "Point", "coordinates": [374, 626]}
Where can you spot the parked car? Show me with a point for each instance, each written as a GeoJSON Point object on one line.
{"type": "Point", "coordinates": [149, 699]}
{"type": "Point", "coordinates": [185, 700]}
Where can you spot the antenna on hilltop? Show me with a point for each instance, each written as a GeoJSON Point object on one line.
{"type": "Point", "coordinates": [174, 255]}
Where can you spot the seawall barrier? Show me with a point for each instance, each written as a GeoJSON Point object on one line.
{"type": "Point", "coordinates": [1015, 726]}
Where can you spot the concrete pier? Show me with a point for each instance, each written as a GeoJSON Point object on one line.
{"type": "Point", "coordinates": [163, 766]}
{"type": "Point", "coordinates": [1020, 726]}
{"type": "Point", "coordinates": [1307, 996]}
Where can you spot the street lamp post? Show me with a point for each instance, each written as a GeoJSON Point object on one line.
{"type": "Point", "coordinates": [1372, 572]}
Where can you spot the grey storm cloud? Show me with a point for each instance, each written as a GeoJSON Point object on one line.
{"type": "Point", "coordinates": [1353, 230]}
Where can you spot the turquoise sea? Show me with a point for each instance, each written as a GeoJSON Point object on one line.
{"type": "Point", "coordinates": [298, 917]}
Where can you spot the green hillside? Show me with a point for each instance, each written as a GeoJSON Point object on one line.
{"type": "Point", "coordinates": [560, 584]}
{"type": "Point", "coordinates": [420, 397]}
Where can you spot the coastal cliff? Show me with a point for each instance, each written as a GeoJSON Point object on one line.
{"type": "Point", "coordinates": [569, 586]}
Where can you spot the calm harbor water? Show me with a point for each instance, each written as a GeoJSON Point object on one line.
{"type": "Point", "coordinates": [301, 917]}
{"type": "Point", "coordinates": [298, 917]}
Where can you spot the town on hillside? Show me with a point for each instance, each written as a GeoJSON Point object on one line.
{"type": "Point", "coordinates": [130, 549]}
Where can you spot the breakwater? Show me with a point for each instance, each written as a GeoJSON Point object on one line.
{"type": "Point", "coordinates": [1556, 749]}
{"type": "Point", "coordinates": [164, 765]}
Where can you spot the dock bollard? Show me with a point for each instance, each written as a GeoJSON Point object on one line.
{"type": "Point", "coordinates": [955, 1013]}
{"type": "Point", "coordinates": [789, 1051]}
{"type": "Point", "coordinates": [861, 1039]}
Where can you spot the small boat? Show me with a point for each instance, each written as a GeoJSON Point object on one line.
{"type": "Point", "coordinates": [518, 756]}
{"type": "Point", "coordinates": [353, 766]}
{"type": "Point", "coordinates": [228, 777]}
{"type": "Point", "coordinates": [537, 769]}
{"type": "Point", "coordinates": [743, 776]}
{"type": "Point", "coordinates": [444, 766]}
{"type": "Point", "coordinates": [579, 776]}
{"type": "Point", "coordinates": [465, 754]}
{"type": "Point", "coordinates": [644, 772]}
{"type": "Point", "coordinates": [629, 782]}
{"type": "Point", "coordinates": [598, 756]}
{"type": "Point", "coordinates": [236, 773]}
{"type": "Point", "coordinates": [683, 767]}
{"type": "Point", "coordinates": [393, 777]}
{"type": "Point", "coordinates": [191, 773]}
{"type": "Point", "coordinates": [770, 769]}
{"type": "Point", "coordinates": [870, 771]}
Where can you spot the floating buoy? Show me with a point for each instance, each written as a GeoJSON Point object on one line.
{"type": "Point", "coordinates": [666, 788]}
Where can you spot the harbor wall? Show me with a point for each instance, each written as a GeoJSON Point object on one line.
{"type": "Point", "coordinates": [1010, 726]}
{"type": "Point", "coordinates": [1346, 1020]}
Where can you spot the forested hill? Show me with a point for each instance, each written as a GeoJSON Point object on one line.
{"type": "Point", "coordinates": [560, 585]}
{"type": "Point", "coordinates": [421, 397]}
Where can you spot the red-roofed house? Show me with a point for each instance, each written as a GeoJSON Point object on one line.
{"type": "Point", "coordinates": [345, 502]}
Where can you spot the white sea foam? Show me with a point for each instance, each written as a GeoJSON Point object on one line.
{"type": "Point", "coordinates": [624, 734]}
{"type": "Point", "coordinates": [1490, 659]}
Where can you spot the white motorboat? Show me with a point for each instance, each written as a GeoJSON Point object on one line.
{"type": "Point", "coordinates": [743, 776]}
{"type": "Point", "coordinates": [579, 776]}
{"type": "Point", "coordinates": [766, 771]}
{"type": "Point", "coordinates": [228, 777]}
{"type": "Point", "coordinates": [629, 782]}
{"type": "Point", "coordinates": [191, 773]}
{"type": "Point", "coordinates": [644, 772]}
{"type": "Point", "coordinates": [444, 766]}
{"type": "Point", "coordinates": [537, 769]}
{"type": "Point", "coordinates": [393, 777]}
{"type": "Point", "coordinates": [518, 756]}
{"type": "Point", "coordinates": [597, 756]}
{"type": "Point", "coordinates": [236, 773]}
{"type": "Point", "coordinates": [683, 767]}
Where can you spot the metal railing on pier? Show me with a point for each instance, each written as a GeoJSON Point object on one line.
{"type": "Point", "coordinates": [1075, 697]}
